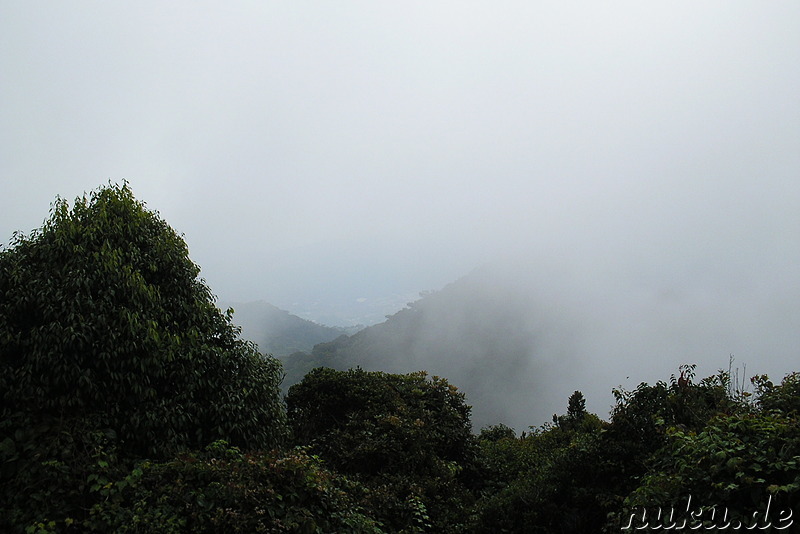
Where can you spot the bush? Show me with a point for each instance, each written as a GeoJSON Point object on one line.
{"type": "Point", "coordinates": [550, 479]}
{"type": "Point", "coordinates": [223, 490]}
{"type": "Point", "coordinates": [407, 437]}
{"type": "Point", "coordinates": [740, 463]}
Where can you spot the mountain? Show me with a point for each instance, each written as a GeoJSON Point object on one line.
{"type": "Point", "coordinates": [278, 332]}
{"type": "Point", "coordinates": [480, 332]}
{"type": "Point", "coordinates": [519, 337]}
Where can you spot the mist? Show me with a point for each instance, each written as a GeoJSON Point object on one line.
{"type": "Point", "coordinates": [519, 336]}
{"type": "Point", "coordinates": [601, 328]}
{"type": "Point", "coordinates": [631, 168]}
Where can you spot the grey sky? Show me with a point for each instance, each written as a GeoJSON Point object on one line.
{"type": "Point", "coordinates": [358, 149]}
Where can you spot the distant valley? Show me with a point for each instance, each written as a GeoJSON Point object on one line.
{"type": "Point", "coordinates": [280, 333]}
{"type": "Point", "coordinates": [519, 339]}
{"type": "Point", "coordinates": [477, 332]}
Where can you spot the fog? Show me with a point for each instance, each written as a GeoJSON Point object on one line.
{"type": "Point", "coordinates": [595, 330]}
{"type": "Point", "coordinates": [636, 163]}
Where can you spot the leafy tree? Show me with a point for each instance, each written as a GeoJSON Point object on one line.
{"type": "Point", "coordinates": [708, 440]}
{"type": "Point", "coordinates": [407, 437]}
{"type": "Point", "coordinates": [575, 475]}
{"type": "Point", "coordinates": [105, 325]}
{"type": "Point", "coordinates": [498, 432]}
{"type": "Point", "coordinates": [641, 417]}
{"type": "Point", "coordinates": [223, 490]}
{"type": "Point", "coordinates": [742, 463]}
{"type": "Point", "coordinates": [784, 397]}
{"type": "Point", "coordinates": [547, 480]}
{"type": "Point", "coordinates": [576, 406]}
{"type": "Point", "coordinates": [49, 478]}
{"type": "Point", "coordinates": [576, 415]}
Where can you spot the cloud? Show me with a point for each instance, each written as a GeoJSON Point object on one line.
{"type": "Point", "coordinates": [365, 150]}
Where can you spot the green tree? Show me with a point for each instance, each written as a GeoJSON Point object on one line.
{"type": "Point", "coordinates": [105, 325]}
{"type": "Point", "coordinates": [547, 480]}
{"type": "Point", "coordinates": [498, 432]}
{"type": "Point", "coordinates": [576, 406]}
{"type": "Point", "coordinates": [743, 463]}
{"type": "Point", "coordinates": [744, 458]}
{"type": "Point", "coordinates": [576, 413]}
{"type": "Point", "coordinates": [223, 490]}
{"type": "Point", "coordinates": [407, 437]}
{"type": "Point", "coordinates": [784, 397]}
{"type": "Point", "coordinates": [574, 475]}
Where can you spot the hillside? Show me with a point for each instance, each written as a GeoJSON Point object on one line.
{"type": "Point", "coordinates": [278, 332]}
{"type": "Point", "coordinates": [479, 332]}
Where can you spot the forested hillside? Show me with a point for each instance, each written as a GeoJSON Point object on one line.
{"type": "Point", "coordinates": [278, 332]}
{"type": "Point", "coordinates": [484, 334]}
{"type": "Point", "coordinates": [131, 404]}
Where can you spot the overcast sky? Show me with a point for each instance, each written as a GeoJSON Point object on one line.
{"type": "Point", "coordinates": [359, 150]}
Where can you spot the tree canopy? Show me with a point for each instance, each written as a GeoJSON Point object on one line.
{"type": "Point", "coordinates": [106, 326]}
{"type": "Point", "coordinates": [407, 437]}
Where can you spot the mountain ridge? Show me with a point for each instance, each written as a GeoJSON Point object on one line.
{"type": "Point", "coordinates": [480, 332]}
{"type": "Point", "coordinates": [279, 332]}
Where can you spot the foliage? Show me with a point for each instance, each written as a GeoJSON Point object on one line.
{"type": "Point", "coordinates": [641, 417]}
{"type": "Point", "coordinates": [741, 462]}
{"type": "Point", "coordinates": [222, 489]}
{"type": "Point", "coordinates": [784, 397]}
{"type": "Point", "coordinates": [105, 327]}
{"type": "Point", "coordinates": [576, 418]}
{"type": "Point", "coordinates": [575, 475]}
{"type": "Point", "coordinates": [51, 474]}
{"type": "Point", "coordinates": [496, 433]}
{"type": "Point", "coordinates": [546, 480]}
{"type": "Point", "coordinates": [407, 437]}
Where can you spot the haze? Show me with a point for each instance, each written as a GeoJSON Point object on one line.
{"type": "Point", "coordinates": [636, 163]}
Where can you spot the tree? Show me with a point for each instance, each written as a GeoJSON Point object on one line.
{"type": "Point", "coordinates": [784, 397]}
{"type": "Point", "coordinates": [576, 406]}
{"type": "Point", "coordinates": [105, 326]}
{"type": "Point", "coordinates": [407, 437]}
{"type": "Point", "coordinates": [547, 480]}
{"type": "Point", "coordinates": [745, 459]}
{"type": "Point", "coordinates": [576, 413]}
{"type": "Point", "coordinates": [744, 464]}
{"type": "Point", "coordinates": [223, 490]}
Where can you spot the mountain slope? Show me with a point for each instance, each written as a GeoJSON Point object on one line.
{"type": "Point", "coordinates": [277, 332]}
{"type": "Point", "coordinates": [479, 332]}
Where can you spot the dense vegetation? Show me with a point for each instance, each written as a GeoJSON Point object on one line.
{"type": "Point", "coordinates": [407, 438]}
{"type": "Point", "coordinates": [130, 404]}
{"type": "Point", "coordinates": [112, 347]}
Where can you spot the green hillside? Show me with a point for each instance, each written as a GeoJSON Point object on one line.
{"type": "Point", "coordinates": [278, 332]}
{"type": "Point", "coordinates": [479, 334]}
